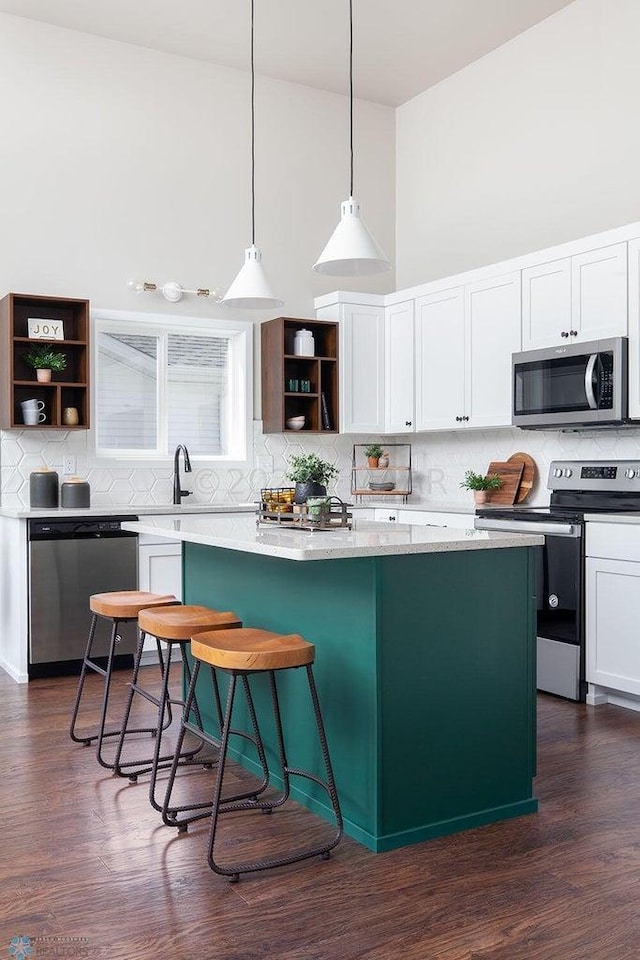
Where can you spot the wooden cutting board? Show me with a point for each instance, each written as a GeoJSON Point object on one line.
{"type": "Point", "coordinates": [529, 474]}
{"type": "Point", "coordinates": [511, 475]}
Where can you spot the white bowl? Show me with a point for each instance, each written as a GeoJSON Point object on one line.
{"type": "Point", "coordinates": [295, 423]}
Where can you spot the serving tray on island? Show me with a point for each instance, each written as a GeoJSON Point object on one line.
{"type": "Point", "coordinates": [334, 515]}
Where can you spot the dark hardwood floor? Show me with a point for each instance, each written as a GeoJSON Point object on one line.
{"type": "Point", "coordinates": [83, 855]}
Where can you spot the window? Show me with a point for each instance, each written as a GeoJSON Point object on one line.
{"type": "Point", "coordinates": [161, 381]}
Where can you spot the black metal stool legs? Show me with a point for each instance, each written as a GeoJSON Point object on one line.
{"type": "Point", "coordinates": [200, 811]}
{"type": "Point", "coordinates": [220, 805]}
{"type": "Point", "coordinates": [87, 655]}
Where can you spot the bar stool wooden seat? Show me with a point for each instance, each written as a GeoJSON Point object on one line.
{"type": "Point", "coordinates": [119, 606]}
{"type": "Point", "coordinates": [241, 654]}
{"type": "Point", "coordinates": [170, 625]}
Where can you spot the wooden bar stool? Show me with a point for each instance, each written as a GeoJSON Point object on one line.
{"type": "Point", "coordinates": [171, 625]}
{"type": "Point", "coordinates": [241, 654]}
{"type": "Point", "coordinates": [119, 606]}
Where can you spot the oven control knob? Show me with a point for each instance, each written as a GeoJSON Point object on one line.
{"type": "Point", "coordinates": [568, 472]}
{"type": "Point", "coordinates": [553, 601]}
{"type": "Point", "coordinates": [557, 472]}
{"type": "Point", "coordinates": [630, 474]}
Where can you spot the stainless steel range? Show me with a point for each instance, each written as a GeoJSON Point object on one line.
{"type": "Point", "coordinates": [578, 488]}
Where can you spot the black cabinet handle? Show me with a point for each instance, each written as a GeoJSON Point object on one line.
{"type": "Point", "coordinates": [458, 419]}
{"type": "Point", "coordinates": [564, 334]}
{"type": "Point", "coordinates": [407, 423]}
{"type": "Point", "coordinates": [573, 333]}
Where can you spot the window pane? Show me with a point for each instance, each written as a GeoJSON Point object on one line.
{"type": "Point", "coordinates": [198, 391]}
{"type": "Point", "coordinates": [127, 383]}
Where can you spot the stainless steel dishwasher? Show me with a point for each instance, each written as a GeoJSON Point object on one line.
{"type": "Point", "coordinates": [69, 560]}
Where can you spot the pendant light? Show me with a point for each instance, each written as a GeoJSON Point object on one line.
{"type": "Point", "coordinates": [352, 250]}
{"type": "Point", "coordinates": [251, 289]}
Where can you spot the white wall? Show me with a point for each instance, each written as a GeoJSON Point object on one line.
{"type": "Point", "coordinates": [534, 144]}
{"type": "Point", "coordinates": [120, 162]}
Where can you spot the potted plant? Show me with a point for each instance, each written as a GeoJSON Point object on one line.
{"type": "Point", "coordinates": [372, 453]}
{"type": "Point", "coordinates": [43, 360]}
{"type": "Point", "coordinates": [310, 475]}
{"type": "Point", "coordinates": [481, 484]}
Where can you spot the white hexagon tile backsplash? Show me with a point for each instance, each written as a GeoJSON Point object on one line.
{"type": "Point", "coordinates": [439, 463]}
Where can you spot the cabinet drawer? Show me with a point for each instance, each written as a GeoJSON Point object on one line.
{"type": "Point", "coordinates": [613, 541]}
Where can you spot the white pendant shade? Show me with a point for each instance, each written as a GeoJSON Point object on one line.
{"type": "Point", "coordinates": [352, 250]}
{"type": "Point", "coordinates": [251, 290]}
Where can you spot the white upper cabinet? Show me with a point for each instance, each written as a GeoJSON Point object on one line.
{"type": "Point", "coordinates": [546, 304]}
{"type": "Point", "coordinates": [399, 354]}
{"type": "Point", "coordinates": [440, 360]}
{"type": "Point", "coordinates": [575, 299]}
{"type": "Point", "coordinates": [464, 340]}
{"type": "Point", "coordinates": [634, 329]}
{"type": "Point", "coordinates": [361, 368]}
{"type": "Point", "coordinates": [492, 334]}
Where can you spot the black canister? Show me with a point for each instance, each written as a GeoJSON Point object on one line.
{"type": "Point", "coordinates": [43, 488]}
{"type": "Point", "coordinates": [75, 493]}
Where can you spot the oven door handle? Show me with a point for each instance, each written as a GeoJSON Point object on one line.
{"type": "Point", "coordinates": [588, 382]}
{"type": "Point", "coordinates": [530, 526]}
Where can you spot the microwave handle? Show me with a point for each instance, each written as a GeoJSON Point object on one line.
{"type": "Point", "coordinates": [588, 382]}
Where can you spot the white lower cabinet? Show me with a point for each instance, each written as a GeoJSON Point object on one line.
{"type": "Point", "coordinates": [429, 518]}
{"type": "Point", "coordinates": [613, 623]}
{"type": "Point", "coordinates": [612, 593]}
{"type": "Point", "coordinates": [159, 569]}
{"type": "Point", "coordinates": [386, 514]}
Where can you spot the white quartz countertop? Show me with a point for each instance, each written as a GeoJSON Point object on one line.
{"type": "Point", "coordinates": [125, 510]}
{"type": "Point", "coordinates": [366, 539]}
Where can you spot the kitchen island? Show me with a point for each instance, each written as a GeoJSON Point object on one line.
{"type": "Point", "coordinates": [425, 662]}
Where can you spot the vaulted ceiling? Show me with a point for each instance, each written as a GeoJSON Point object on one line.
{"type": "Point", "coordinates": [401, 47]}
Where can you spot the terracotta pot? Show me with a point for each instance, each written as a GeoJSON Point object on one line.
{"type": "Point", "coordinates": [44, 376]}
{"type": "Point", "coordinates": [480, 496]}
{"type": "Point", "coordinates": [372, 461]}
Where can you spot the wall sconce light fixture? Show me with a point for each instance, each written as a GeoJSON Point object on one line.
{"type": "Point", "coordinates": [173, 291]}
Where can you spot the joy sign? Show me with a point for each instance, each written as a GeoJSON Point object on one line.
{"type": "Point", "coordinates": [45, 329]}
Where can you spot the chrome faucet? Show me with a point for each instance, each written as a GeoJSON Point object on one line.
{"type": "Point", "coordinates": [178, 493]}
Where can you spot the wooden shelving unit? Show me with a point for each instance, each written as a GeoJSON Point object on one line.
{"type": "Point", "coordinates": [398, 472]}
{"type": "Point", "coordinates": [319, 405]}
{"type": "Point", "coordinates": [69, 387]}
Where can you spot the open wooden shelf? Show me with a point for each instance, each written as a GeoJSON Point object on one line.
{"type": "Point", "coordinates": [69, 387]}
{"type": "Point", "coordinates": [280, 364]}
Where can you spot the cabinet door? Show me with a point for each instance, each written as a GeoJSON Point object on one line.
{"type": "Point", "coordinates": [399, 353]}
{"type": "Point", "coordinates": [546, 304]}
{"type": "Point", "coordinates": [492, 321]}
{"type": "Point", "coordinates": [599, 293]}
{"type": "Point", "coordinates": [160, 568]}
{"type": "Point", "coordinates": [634, 329]}
{"type": "Point", "coordinates": [439, 322]}
{"type": "Point", "coordinates": [362, 369]}
{"type": "Point", "coordinates": [613, 614]}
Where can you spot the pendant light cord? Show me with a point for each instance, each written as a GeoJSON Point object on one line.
{"type": "Point", "coordinates": [253, 137]}
{"type": "Point", "coordinates": [350, 95]}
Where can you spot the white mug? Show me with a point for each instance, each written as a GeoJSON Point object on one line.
{"type": "Point", "coordinates": [31, 416]}
{"type": "Point", "coordinates": [32, 405]}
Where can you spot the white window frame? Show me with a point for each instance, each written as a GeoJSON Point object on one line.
{"type": "Point", "coordinates": [240, 333]}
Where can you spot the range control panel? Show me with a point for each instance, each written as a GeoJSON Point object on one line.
{"type": "Point", "coordinates": [594, 475]}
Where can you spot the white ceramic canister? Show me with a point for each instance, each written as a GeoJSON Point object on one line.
{"type": "Point", "coordinates": [303, 344]}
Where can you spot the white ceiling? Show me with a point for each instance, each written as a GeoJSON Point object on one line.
{"type": "Point", "coordinates": [401, 47]}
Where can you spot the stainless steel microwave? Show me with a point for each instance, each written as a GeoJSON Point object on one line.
{"type": "Point", "coordinates": [577, 385]}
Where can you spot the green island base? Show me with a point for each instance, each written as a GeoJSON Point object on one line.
{"type": "Point", "coordinates": [425, 666]}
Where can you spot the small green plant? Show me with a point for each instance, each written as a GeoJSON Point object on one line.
{"type": "Point", "coordinates": [44, 358]}
{"type": "Point", "coordinates": [478, 481]}
{"type": "Point", "coordinates": [373, 450]}
{"type": "Point", "coordinates": [309, 468]}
